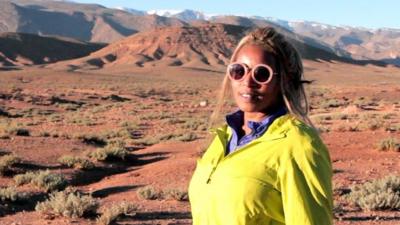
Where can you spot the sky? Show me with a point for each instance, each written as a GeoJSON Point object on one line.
{"type": "Point", "coordinates": [358, 13]}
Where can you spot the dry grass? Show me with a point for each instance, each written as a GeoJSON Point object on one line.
{"type": "Point", "coordinates": [148, 193]}
{"type": "Point", "coordinates": [11, 194]}
{"type": "Point", "coordinates": [68, 204]}
{"type": "Point", "coordinates": [383, 194]}
{"type": "Point", "coordinates": [76, 162]}
{"type": "Point", "coordinates": [110, 214]}
{"type": "Point", "coordinates": [114, 150]}
{"type": "Point", "coordinates": [7, 161]}
{"type": "Point", "coordinates": [176, 194]}
{"type": "Point", "coordinates": [44, 180]}
{"type": "Point", "coordinates": [389, 144]}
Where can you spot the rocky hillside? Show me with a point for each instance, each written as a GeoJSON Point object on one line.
{"type": "Point", "coordinates": [87, 22]}
{"type": "Point", "coordinates": [17, 49]}
{"type": "Point", "coordinates": [205, 44]}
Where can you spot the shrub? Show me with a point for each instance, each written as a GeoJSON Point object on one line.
{"type": "Point", "coordinates": [330, 103]}
{"type": "Point", "coordinates": [76, 162]}
{"type": "Point", "coordinates": [148, 192]}
{"type": "Point", "coordinates": [147, 141]}
{"type": "Point", "coordinates": [68, 204]}
{"type": "Point", "coordinates": [110, 214]}
{"type": "Point", "coordinates": [392, 127]}
{"type": "Point", "coordinates": [92, 139]}
{"type": "Point", "coordinates": [374, 124]}
{"type": "Point", "coordinates": [7, 161]}
{"type": "Point", "coordinates": [22, 132]}
{"type": "Point", "coordinates": [9, 129]}
{"type": "Point", "coordinates": [114, 150]}
{"type": "Point", "coordinates": [26, 178]}
{"type": "Point", "coordinates": [323, 129]}
{"type": "Point", "coordinates": [377, 194]}
{"type": "Point", "coordinates": [43, 180]}
{"type": "Point", "coordinates": [187, 137]}
{"type": "Point", "coordinates": [11, 194]}
{"type": "Point", "coordinates": [44, 134]}
{"type": "Point", "coordinates": [177, 194]}
{"type": "Point", "coordinates": [389, 144]}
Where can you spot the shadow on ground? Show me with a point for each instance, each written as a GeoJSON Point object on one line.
{"type": "Point", "coordinates": [112, 167]}
{"type": "Point", "coordinates": [113, 190]}
{"type": "Point", "coordinates": [28, 204]}
{"type": "Point", "coordinates": [144, 216]}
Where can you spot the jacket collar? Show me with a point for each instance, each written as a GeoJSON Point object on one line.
{"type": "Point", "coordinates": [277, 130]}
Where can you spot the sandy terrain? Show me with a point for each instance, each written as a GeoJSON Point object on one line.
{"type": "Point", "coordinates": [161, 114]}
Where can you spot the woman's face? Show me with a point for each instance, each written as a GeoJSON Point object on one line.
{"type": "Point", "coordinates": [250, 96]}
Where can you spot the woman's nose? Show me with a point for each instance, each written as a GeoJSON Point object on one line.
{"type": "Point", "coordinates": [248, 80]}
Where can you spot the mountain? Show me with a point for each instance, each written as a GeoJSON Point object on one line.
{"type": "Point", "coordinates": [360, 43]}
{"type": "Point", "coordinates": [352, 42]}
{"type": "Point", "coordinates": [17, 49]}
{"type": "Point", "coordinates": [191, 46]}
{"type": "Point", "coordinates": [258, 22]}
{"type": "Point", "coordinates": [210, 44]}
{"type": "Point", "coordinates": [132, 11]}
{"type": "Point", "coordinates": [96, 23]}
{"type": "Point", "coordinates": [185, 15]}
{"type": "Point", "coordinates": [87, 22]}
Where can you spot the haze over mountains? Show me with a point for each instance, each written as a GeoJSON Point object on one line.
{"type": "Point", "coordinates": [95, 23]}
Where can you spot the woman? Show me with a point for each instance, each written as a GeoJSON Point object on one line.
{"type": "Point", "coordinates": [267, 165]}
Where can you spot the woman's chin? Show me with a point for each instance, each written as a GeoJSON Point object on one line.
{"type": "Point", "coordinates": [249, 108]}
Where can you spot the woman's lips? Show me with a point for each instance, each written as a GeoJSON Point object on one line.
{"type": "Point", "coordinates": [250, 97]}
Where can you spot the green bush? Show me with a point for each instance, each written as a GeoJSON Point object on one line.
{"type": "Point", "coordinates": [112, 213]}
{"type": "Point", "coordinates": [44, 180]}
{"type": "Point", "coordinates": [76, 162]}
{"type": "Point", "coordinates": [68, 204]}
{"type": "Point", "coordinates": [377, 194]}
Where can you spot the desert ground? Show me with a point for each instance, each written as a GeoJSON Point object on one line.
{"type": "Point", "coordinates": [160, 115]}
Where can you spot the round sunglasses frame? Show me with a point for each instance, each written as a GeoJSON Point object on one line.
{"type": "Point", "coordinates": [246, 72]}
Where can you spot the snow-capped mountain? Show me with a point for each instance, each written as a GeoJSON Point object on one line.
{"type": "Point", "coordinates": [132, 11]}
{"type": "Point", "coordinates": [355, 42]}
{"type": "Point", "coordinates": [185, 15]}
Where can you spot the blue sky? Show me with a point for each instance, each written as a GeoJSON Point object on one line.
{"type": "Point", "coordinates": [364, 13]}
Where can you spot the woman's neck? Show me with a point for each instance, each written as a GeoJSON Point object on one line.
{"type": "Point", "coordinates": [252, 116]}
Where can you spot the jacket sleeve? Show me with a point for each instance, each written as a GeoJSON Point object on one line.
{"type": "Point", "coordinates": [305, 176]}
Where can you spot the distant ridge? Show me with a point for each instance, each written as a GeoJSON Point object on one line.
{"type": "Point", "coordinates": [96, 23]}
{"type": "Point", "coordinates": [207, 44]}
{"type": "Point", "coordinates": [86, 22]}
{"type": "Point", "coordinates": [17, 49]}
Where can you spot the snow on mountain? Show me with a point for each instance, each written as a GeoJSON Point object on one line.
{"type": "Point", "coordinates": [186, 14]}
{"type": "Point", "coordinates": [132, 11]}
{"type": "Point", "coordinates": [164, 12]}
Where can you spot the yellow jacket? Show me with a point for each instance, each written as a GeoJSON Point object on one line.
{"type": "Point", "coordinates": [282, 177]}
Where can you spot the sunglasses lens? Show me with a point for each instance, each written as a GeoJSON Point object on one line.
{"type": "Point", "coordinates": [236, 71]}
{"type": "Point", "coordinates": [262, 74]}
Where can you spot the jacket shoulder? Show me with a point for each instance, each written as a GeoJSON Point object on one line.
{"type": "Point", "coordinates": [303, 140]}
